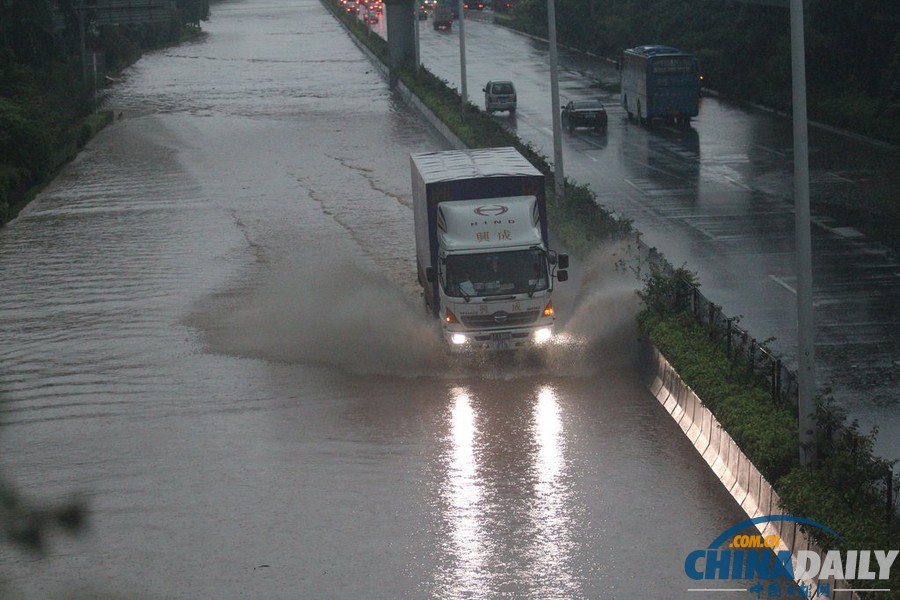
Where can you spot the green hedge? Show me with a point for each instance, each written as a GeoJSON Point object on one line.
{"type": "Point", "coordinates": [766, 432]}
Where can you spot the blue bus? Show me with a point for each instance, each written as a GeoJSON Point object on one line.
{"type": "Point", "coordinates": [660, 82]}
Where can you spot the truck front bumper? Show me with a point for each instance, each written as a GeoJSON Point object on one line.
{"type": "Point", "coordinates": [515, 339]}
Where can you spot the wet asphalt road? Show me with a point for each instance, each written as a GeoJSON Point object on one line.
{"type": "Point", "coordinates": [718, 199]}
{"type": "Point", "coordinates": [210, 327]}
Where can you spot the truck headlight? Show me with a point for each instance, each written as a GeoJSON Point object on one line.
{"type": "Point", "coordinates": [542, 335]}
{"type": "Point", "coordinates": [458, 338]}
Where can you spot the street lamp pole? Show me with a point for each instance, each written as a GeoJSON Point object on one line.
{"type": "Point", "coordinates": [805, 323]}
{"type": "Point", "coordinates": [558, 173]}
{"type": "Point", "coordinates": [462, 53]}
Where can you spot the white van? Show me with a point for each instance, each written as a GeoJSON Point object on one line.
{"type": "Point", "coordinates": [500, 95]}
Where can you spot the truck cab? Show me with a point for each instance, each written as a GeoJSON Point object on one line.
{"type": "Point", "coordinates": [495, 275]}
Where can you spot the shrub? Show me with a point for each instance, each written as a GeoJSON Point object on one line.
{"type": "Point", "coordinates": [24, 142]}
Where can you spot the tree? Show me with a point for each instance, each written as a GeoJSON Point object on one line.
{"type": "Point", "coordinates": [193, 11]}
{"type": "Point", "coordinates": [26, 28]}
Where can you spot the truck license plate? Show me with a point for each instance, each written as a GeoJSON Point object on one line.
{"type": "Point", "coordinates": [501, 340]}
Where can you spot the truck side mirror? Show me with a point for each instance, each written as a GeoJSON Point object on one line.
{"type": "Point", "coordinates": [562, 275]}
{"type": "Point", "coordinates": [429, 274]}
{"type": "Point", "coordinates": [563, 261]}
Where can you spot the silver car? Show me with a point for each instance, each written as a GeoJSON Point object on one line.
{"type": "Point", "coordinates": [500, 95]}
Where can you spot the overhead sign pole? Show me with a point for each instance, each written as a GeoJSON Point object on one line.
{"type": "Point", "coordinates": [805, 322]}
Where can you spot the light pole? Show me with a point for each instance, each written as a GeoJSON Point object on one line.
{"type": "Point", "coordinates": [805, 322]}
{"type": "Point", "coordinates": [806, 356]}
{"type": "Point", "coordinates": [559, 177]}
{"type": "Point", "coordinates": [462, 53]}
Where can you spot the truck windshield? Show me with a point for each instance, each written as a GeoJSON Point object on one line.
{"type": "Point", "coordinates": [496, 273]}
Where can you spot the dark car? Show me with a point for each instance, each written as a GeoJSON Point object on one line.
{"type": "Point", "coordinates": [584, 113]}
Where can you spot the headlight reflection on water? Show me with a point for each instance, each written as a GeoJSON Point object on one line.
{"type": "Point", "coordinates": [553, 501]}
{"type": "Point", "coordinates": [463, 495]}
{"type": "Point", "coordinates": [509, 526]}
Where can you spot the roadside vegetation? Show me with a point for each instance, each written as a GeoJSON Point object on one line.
{"type": "Point", "coordinates": [847, 487]}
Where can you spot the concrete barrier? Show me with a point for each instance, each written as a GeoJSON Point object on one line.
{"type": "Point", "coordinates": [746, 484]}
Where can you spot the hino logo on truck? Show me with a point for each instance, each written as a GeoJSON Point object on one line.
{"type": "Point", "coordinates": [491, 210]}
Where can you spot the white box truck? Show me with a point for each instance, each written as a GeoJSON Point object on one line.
{"type": "Point", "coordinates": [482, 251]}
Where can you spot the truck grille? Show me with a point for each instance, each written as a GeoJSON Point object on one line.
{"type": "Point", "coordinates": [500, 319]}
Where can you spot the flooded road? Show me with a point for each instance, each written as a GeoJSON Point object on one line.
{"type": "Point", "coordinates": [210, 327]}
